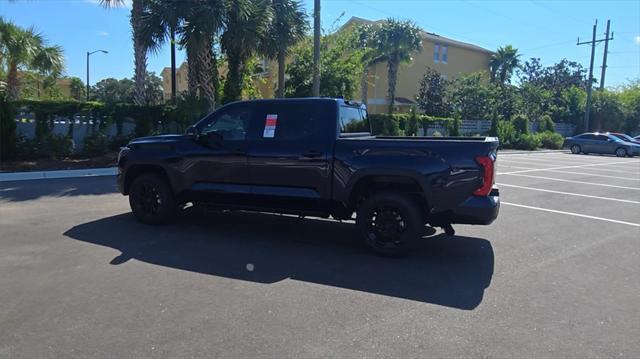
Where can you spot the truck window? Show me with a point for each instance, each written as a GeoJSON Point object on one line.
{"type": "Point", "coordinates": [353, 120]}
{"type": "Point", "coordinates": [290, 122]}
{"type": "Point", "coordinates": [231, 123]}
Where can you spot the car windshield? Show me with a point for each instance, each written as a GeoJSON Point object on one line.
{"type": "Point", "coordinates": [623, 137]}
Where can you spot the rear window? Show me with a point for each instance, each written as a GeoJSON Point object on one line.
{"type": "Point", "coordinates": [353, 120]}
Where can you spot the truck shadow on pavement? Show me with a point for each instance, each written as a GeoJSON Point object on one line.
{"type": "Point", "coordinates": [265, 248]}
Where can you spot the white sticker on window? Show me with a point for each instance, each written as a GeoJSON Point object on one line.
{"type": "Point", "coordinates": [270, 126]}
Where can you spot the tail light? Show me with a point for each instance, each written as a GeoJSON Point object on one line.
{"type": "Point", "coordinates": [487, 164]}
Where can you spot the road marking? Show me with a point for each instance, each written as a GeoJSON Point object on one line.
{"type": "Point", "coordinates": [88, 172]}
{"type": "Point", "coordinates": [583, 173]}
{"type": "Point", "coordinates": [571, 214]}
{"type": "Point", "coordinates": [590, 169]}
{"type": "Point", "coordinates": [569, 193]}
{"type": "Point", "coordinates": [553, 168]}
{"type": "Point", "coordinates": [572, 181]}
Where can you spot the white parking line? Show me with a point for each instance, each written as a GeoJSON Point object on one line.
{"type": "Point", "coordinates": [571, 214]}
{"type": "Point", "coordinates": [569, 193]}
{"type": "Point", "coordinates": [551, 168]}
{"type": "Point", "coordinates": [590, 169]}
{"type": "Point", "coordinates": [572, 181]}
{"type": "Point", "coordinates": [581, 173]}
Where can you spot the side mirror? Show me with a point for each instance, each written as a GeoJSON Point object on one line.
{"type": "Point", "coordinates": [192, 130]}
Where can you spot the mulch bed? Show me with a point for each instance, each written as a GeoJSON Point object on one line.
{"type": "Point", "coordinates": [70, 163]}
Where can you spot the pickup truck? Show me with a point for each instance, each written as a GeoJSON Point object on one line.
{"type": "Point", "coordinates": [314, 157]}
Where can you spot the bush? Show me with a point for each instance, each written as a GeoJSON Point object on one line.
{"type": "Point", "coordinates": [436, 134]}
{"type": "Point", "coordinates": [454, 127]}
{"type": "Point", "coordinates": [118, 141]}
{"type": "Point", "coordinates": [521, 124]}
{"type": "Point", "coordinates": [546, 124]}
{"type": "Point", "coordinates": [7, 129]}
{"type": "Point", "coordinates": [59, 146]}
{"type": "Point", "coordinates": [528, 141]}
{"type": "Point", "coordinates": [96, 144]}
{"type": "Point", "coordinates": [506, 134]}
{"type": "Point", "coordinates": [551, 140]}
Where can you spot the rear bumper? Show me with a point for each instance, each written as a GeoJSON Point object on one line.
{"type": "Point", "coordinates": [474, 210]}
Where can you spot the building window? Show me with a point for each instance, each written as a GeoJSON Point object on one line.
{"type": "Point", "coordinates": [445, 53]}
{"type": "Point", "coordinates": [436, 53]}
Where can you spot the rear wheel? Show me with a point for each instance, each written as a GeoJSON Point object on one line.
{"type": "Point", "coordinates": [390, 223]}
{"type": "Point", "coordinates": [151, 199]}
{"type": "Point", "coordinates": [621, 152]}
{"type": "Point", "coordinates": [575, 149]}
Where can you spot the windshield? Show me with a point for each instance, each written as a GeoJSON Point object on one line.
{"type": "Point", "coordinates": [623, 137]}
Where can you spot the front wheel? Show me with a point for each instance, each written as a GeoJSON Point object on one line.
{"type": "Point", "coordinates": [390, 223]}
{"type": "Point", "coordinates": [151, 199]}
{"type": "Point", "coordinates": [575, 149]}
{"type": "Point", "coordinates": [621, 152]}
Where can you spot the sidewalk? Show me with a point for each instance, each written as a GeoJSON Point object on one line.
{"type": "Point", "coordinates": [35, 175]}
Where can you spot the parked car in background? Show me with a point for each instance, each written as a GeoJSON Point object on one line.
{"type": "Point", "coordinates": [625, 137]}
{"type": "Point", "coordinates": [603, 143]}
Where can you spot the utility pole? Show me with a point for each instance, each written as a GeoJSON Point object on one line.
{"type": "Point", "coordinates": [606, 50]}
{"type": "Point", "coordinates": [316, 48]}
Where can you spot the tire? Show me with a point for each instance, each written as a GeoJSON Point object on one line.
{"type": "Point", "coordinates": [575, 149]}
{"type": "Point", "coordinates": [390, 223]}
{"type": "Point", "coordinates": [621, 152]}
{"type": "Point", "coordinates": [152, 200]}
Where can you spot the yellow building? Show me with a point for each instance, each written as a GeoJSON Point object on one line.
{"type": "Point", "coordinates": [450, 57]}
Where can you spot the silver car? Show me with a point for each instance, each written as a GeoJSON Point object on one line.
{"type": "Point", "coordinates": [601, 143]}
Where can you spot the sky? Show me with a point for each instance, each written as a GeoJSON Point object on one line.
{"type": "Point", "coordinates": [544, 29]}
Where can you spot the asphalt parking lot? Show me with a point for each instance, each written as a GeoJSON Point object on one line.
{"type": "Point", "coordinates": [557, 275]}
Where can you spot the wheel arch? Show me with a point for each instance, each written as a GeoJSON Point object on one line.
{"type": "Point", "coordinates": [136, 170]}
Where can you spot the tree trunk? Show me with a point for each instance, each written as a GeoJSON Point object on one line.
{"type": "Point", "coordinates": [233, 84]}
{"type": "Point", "coordinates": [13, 83]}
{"type": "Point", "coordinates": [173, 65]}
{"type": "Point", "coordinates": [205, 79]}
{"type": "Point", "coordinates": [281, 70]}
{"type": "Point", "coordinates": [364, 86]}
{"type": "Point", "coordinates": [139, 54]}
{"type": "Point", "coordinates": [192, 71]}
{"type": "Point", "coordinates": [393, 79]}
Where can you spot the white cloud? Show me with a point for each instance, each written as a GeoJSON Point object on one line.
{"type": "Point", "coordinates": [636, 39]}
{"type": "Point", "coordinates": [103, 33]}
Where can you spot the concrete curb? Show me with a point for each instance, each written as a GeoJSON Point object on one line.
{"type": "Point", "coordinates": [516, 152]}
{"type": "Point", "coordinates": [36, 175]}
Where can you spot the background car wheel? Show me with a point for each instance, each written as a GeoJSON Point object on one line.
{"type": "Point", "coordinates": [151, 199]}
{"type": "Point", "coordinates": [575, 149]}
{"type": "Point", "coordinates": [390, 223]}
{"type": "Point", "coordinates": [621, 152]}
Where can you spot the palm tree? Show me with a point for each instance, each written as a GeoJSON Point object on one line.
{"type": "Point", "coordinates": [26, 49]}
{"type": "Point", "coordinates": [246, 24]}
{"type": "Point", "coordinates": [288, 26]}
{"type": "Point", "coordinates": [49, 63]}
{"type": "Point", "coordinates": [395, 41]}
{"type": "Point", "coordinates": [76, 87]}
{"type": "Point", "coordinates": [364, 35]}
{"type": "Point", "coordinates": [502, 64]}
{"type": "Point", "coordinates": [139, 45]}
{"type": "Point", "coordinates": [160, 22]}
{"type": "Point", "coordinates": [202, 21]}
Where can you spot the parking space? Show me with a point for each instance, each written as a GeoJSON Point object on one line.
{"type": "Point", "coordinates": [555, 276]}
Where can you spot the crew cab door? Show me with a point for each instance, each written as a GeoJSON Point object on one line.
{"type": "Point", "coordinates": [289, 156]}
{"type": "Point", "coordinates": [217, 162]}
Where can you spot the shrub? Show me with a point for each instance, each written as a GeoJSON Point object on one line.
{"type": "Point", "coordinates": [27, 148]}
{"type": "Point", "coordinates": [454, 127]}
{"type": "Point", "coordinates": [7, 129]}
{"type": "Point", "coordinates": [95, 145]}
{"type": "Point", "coordinates": [506, 134]}
{"type": "Point", "coordinates": [551, 140]}
{"type": "Point", "coordinates": [528, 141]}
{"type": "Point", "coordinates": [546, 124]}
{"type": "Point", "coordinates": [521, 124]}
{"type": "Point", "coordinates": [59, 146]}
{"type": "Point", "coordinates": [118, 141]}
{"type": "Point", "coordinates": [436, 134]}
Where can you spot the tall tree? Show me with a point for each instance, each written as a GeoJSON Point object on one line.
{"type": "Point", "coordinates": [160, 21]}
{"type": "Point", "coordinates": [395, 42]}
{"type": "Point", "coordinates": [288, 26]}
{"type": "Point", "coordinates": [49, 63]}
{"type": "Point", "coordinates": [364, 35]}
{"type": "Point", "coordinates": [503, 63]}
{"type": "Point", "coordinates": [22, 49]}
{"type": "Point", "coordinates": [203, 19]}
{"type": "Point", "coordinates": [431, 96]}
{"type": "Point", "coordinates": [139, 45]}
{"type": "Point", "coordinates": [246, 24]}
{"type": "Point", "coordinates": [76, 88]}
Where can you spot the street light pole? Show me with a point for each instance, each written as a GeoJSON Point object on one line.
{"type": "Point", "coordinates": [89, 54]}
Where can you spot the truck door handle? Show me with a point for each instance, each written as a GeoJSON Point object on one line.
{"type": "Point", "coordinates": [311, 154]}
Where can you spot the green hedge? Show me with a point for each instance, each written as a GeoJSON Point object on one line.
{"type": "Point", "coordinates": [405, 124]}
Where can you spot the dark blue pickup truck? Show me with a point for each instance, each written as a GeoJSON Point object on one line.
{"type": "Point", "coordinates": [314, 157]}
